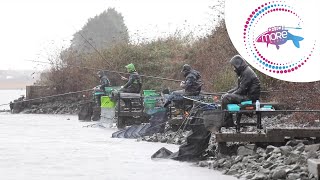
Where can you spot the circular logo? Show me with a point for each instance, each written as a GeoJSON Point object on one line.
{"type": "Point", "coordinates": [279, 38]}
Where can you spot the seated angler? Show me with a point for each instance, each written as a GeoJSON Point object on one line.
{"type": "Point", "coordinates": [100, 90]}
{"type": "Point", "coordinates": [104, 81]}
{"type": "Point", "coordinates": [248, 87]}
{"type": "Point", "coordinates": [133, 84]}
{"type": "Point", "coordinates": [191, 85]}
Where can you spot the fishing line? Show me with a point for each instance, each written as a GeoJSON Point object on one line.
{"type": "Point", "coordinates": [112, 71]}
{"type": "Point", "coordinates": [147, 76]}
{"type": "Point", "coordinates": [98, 52]}
{"type": "Point", "coordinates": [40, 98]}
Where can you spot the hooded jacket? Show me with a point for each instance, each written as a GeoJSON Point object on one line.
{"type": "Point", "coordinates": [192, 81]}
{"type": "Point", "coordinates": [248, 81]}
{"type": "Point", "coordinates": [104, 81]}
{"type": "Point", "coordinates": [134, 83]}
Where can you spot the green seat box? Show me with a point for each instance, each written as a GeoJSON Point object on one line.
{"type": "Point", "coordinates": [233, 107]}
{"type": "Point", "coordinates": [107, 102]}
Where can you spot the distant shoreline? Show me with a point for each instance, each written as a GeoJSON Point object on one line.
{"type": "Point", "coordinates": [13, 88]}
{"type": "Point", "coordinates": [13, 85]}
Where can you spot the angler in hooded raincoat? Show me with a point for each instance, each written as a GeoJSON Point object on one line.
{"type": "Point", "coordinates": [191, 86]}
{"type": "Point", "coordinates": [133, 84]}
{"type": "Point", "coordinates": [104, 81]}
{"type": "Point", "coordinates": [248, 87]}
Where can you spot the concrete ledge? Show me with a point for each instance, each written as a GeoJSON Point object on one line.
{"type": "Point", "coordinates": [314, 167]}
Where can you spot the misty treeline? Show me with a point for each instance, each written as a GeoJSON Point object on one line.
{"type": "Point", "coordinates": [103, 43]}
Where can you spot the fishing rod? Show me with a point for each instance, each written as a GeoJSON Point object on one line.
{"type": "Point", "coordinates": [119, 73]}
{"type": "Point", "coordinates": [40, 98]}
{"type": "Point", "coordinates": [112, 71]}
{"type": "Point", "coordinates": [222, 93]}
{"type": "Point", "coordinates": [98, 53]}
{"type": "Point", "coordinates": [155, 77]}
{"type": "Point", "coordinates": [185, 97]}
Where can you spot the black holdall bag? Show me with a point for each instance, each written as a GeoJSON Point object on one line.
{"type": "Point", "coordinates": [213, 120]}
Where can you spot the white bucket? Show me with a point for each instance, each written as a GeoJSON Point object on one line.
{"type": "Point", "coordinates": [107, 117]}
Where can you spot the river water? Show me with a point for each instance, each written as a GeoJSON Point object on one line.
{"type": "Point", "coordinates": [38, 147]}
{"type": "Point", "coordinates": [9, 95]}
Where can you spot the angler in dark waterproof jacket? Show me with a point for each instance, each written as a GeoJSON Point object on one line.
{"type": "Point", "coordinates": [133, 84]}
{"type": "Point", "coordinates": [104, 81]}
{"type": "Point", "coordinates": [191, 85]}
{"type": "Point", "coordinates": [248, 87]}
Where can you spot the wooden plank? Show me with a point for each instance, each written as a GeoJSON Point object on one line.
{"type": "Point", "coordinates": [247, 137]}
{"type": "Point", "coordinates": [294, 132]}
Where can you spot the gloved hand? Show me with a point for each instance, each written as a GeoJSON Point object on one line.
{"type": "Point", "coordinates": [224, 95]}
{"type": "Point", "coordinates": [183, 84]}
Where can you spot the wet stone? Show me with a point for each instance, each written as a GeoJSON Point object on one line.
{"type": "Point", "coordinates": [264, 171]}
{"type": "Point", "coordinates": [260, 176]}
{"type": "Point", "coordinates": [203, 164]}
{"type": "Point", "coordinates": [289, 161]}
{"type": "Point", "coordinates": [312, 148]}
{"type": "Point", "coordinates": [314, 167]}
{"type": "Point", "coordinates": [249, 176]}
{"type": "Point", "coordinates": [232, 172]}
{"type": "Point", "coordinates": [300, 147]}
{"type": "Point", "coordinates": [260, 151]}
{"type": "Point", "coordinates": [312, 155]}
{"type": "Point", "coordinates": [221, 161]}
{"type": "Point", "coordinates": [246, 150]}
{"type": "Point", "coordinates": [285, 150]}
{"type": "Point", "coordinates": [279, 174]}
{"type": "Point", "coordinates": [269, 149]}
{"type": "Point", "coordinates": [267, 165]}
{"type": "Point", "coordinates": [236, 167]}
{"type": "Point", "coordinates": [227, 164]}
{"type": "Point", "coordinates": [293, 176]}
{"type": "Point", "coordinates": [238, 159]}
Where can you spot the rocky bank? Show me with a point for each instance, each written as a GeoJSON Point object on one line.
{"type": "Point", "coordinates": [61, 105]}
{"type": "Point", "coordinates": [256, 161]}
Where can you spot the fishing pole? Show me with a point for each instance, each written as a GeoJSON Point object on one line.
{"type": "Point", "coordinates": [185, 97]}
{"type": "Point", "coordinates": [98, 52]}
{"type": "Point", "coordinates": [222, 93]}
{"type": "Point", "coordinates": [40, 98]}
{"type": "Point", "coordinates": [154, 77]}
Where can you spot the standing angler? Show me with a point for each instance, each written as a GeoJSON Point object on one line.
{"type": "Point", "coordinates": [279, 35]}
